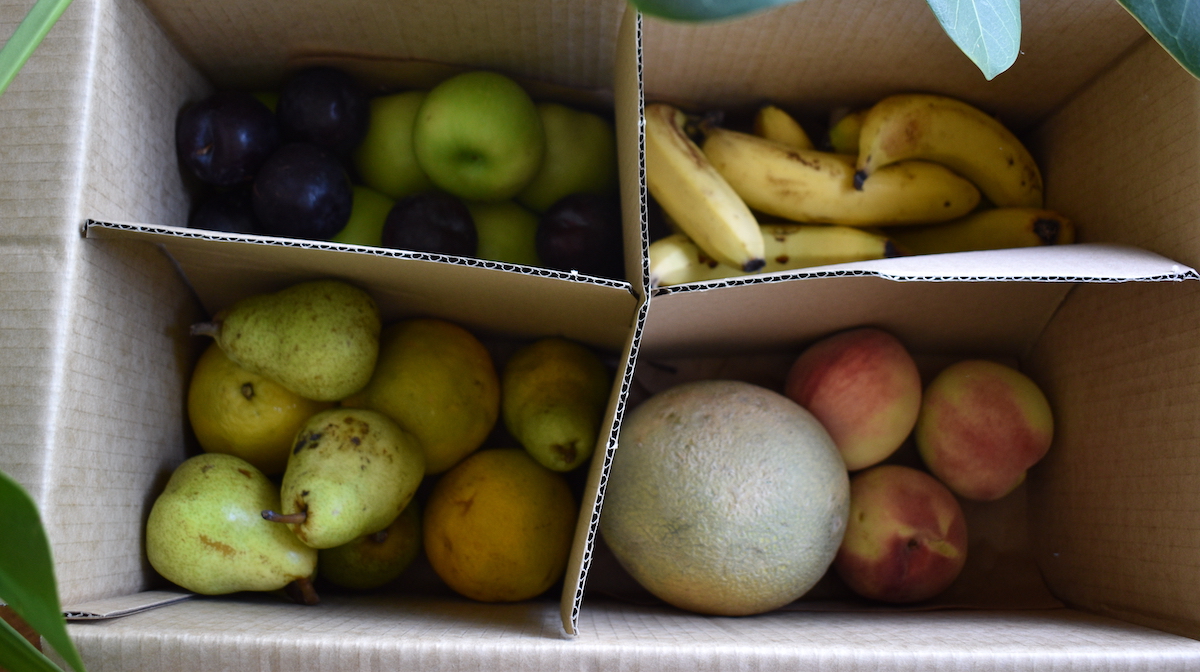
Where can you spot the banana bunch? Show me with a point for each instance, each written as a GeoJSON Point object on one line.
{"type": "Point", "coordinates": [676, 259]}
{"type": "Point", "coordinates": [954, 134]}
{"type": "Point", "coordinates": [913, 174]}
{"type": "Point", "coordinates": [773, 123]}
{"type": "Point", "coordinates": [695, 196]}
{"type": "Point", "coordinates": [995, 229]}
{"type": "Point", "coordinates": [818, 187]}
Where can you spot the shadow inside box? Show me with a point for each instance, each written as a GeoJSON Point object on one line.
{"type": "Point", "coordinates": [993, 579]}
{"type": "Point", "coordinates": [344, 615]}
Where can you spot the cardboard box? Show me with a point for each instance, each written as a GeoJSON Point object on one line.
{"type": "Point", "coordinates": [95, 355]}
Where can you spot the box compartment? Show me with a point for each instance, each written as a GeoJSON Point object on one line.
{"type": "Point", "coordinates": [96, 357]}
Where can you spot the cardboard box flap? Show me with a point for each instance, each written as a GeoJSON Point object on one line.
{"type": "Point", "coordinates": [370, 633]}
{"type": "Point", "coordinates": [486, 296]}
{"type": "Point", "coordinates": [814, 56]}
{"type": "Point", "coordinates": [240, 43]}
{"type": "Point", "coordinates": [115, 607]}
{"type": "Point", "coordinates": [1092, 262]}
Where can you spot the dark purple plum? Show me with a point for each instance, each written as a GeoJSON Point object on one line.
{"type": "Point", "coordinates": [582, 232]}
{"type": "Point", "coordinates": [229, 210]}
{"type": "Point", "coordinates": [326, 107]}
{"type": "Point", "coordinates": [224, 138]}
{"type": "Point", "coordinates": [431, 222]}
{"type": "Point", "coordinates": [302, 191]}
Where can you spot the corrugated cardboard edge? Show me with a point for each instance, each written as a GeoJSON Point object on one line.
{"type": "Point", "coordinates": [125, 605]}
{"type": "Point", "coordinates": [97, 229]}
{"type": "Point", "coordinates": [628, 96]}
{"type": "Point", "coordinates": [1109, 264]}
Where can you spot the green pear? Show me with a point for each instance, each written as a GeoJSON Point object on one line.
{"type": "Point", "coordinates": [507, 232]}
{"type": "Point", "coordinates": [318, 339]}
{"type": "Point", "coordinates": [553, 396]}
{"type": "Point", "coordinates": [581, 157]}
{"type": "Point", "coordinates": [205, 532]}
{"type": "Point", "coordinates": [351, 472]}
{"type": "Point", "coordinates": [375, 559]}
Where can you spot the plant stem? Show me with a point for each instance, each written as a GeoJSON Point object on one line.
{"type": "Point", "coordinates": [27, 37]}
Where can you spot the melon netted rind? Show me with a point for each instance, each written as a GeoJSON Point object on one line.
{"type": "Point", "coordinates": [725, 498]}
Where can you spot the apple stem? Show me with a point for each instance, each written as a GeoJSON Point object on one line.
{"type": "Point", "coordinates": [289, 518]}
{"type": "Point", "coordinates": [206, 329]}
{"type": "Point", "coordinates": [301, 590]}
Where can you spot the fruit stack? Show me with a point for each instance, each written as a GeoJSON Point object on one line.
{"type": "Point", "coordinates": [913, 174]}
{"type": "Point", "coordinates": [730, 498]}
{"type": "Point", "coordinates": [471, 168]}
{"type": "Point", "coordinates": [320, 425]}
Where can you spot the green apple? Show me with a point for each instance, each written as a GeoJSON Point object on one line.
{"type": "Point", "coordinates": [581, 157]}
{"type": "Point", "coordinates": [507, 232]}
{"type": "Point", "coordinates": [385, 158]}
{"type": "Point", "coordinates": [268, 98]}
{"type": "Point", "coordinates": [479, 136]}
{"type": "Point", "coordinates": [373, 560]}
{"type": "Point", "coordinates": [368, 212]}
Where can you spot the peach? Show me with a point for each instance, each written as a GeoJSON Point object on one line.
{"type": "Point", "coordinates": [906, 539]}
{"type": "Point", "coordinates": [982, 426]}
{"type": "Point", "coordinates": [864, 387]}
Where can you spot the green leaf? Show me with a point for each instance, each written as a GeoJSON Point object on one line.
{"type": "Point", "coordinates": [18, 655]}
{"type": "Point", "coordinates": [27, 37]}
{"type": "Point", "coordinates": [987, 31]}
{"type": "Point", "coordinates": [703, 10]}
{"type": "Point", "coordinates": [1175, 24]}
{"type": "Point", "coordinates": [27, 570]}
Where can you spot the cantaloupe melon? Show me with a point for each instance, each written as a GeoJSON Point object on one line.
{"type": "Point", "coordinates": [725, 498]}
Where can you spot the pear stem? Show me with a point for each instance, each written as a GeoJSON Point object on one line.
{"type": "Point", "coordinates": [289, 518]}
{"type": "Point", "coordinates": [206, 329]}
{"type": "Point", "coordinates": [302, 591]}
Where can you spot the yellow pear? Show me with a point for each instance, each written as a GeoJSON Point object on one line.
{"type": "Point", "coordinates": [554, 393]}
{"type": "Point", "coordinates": [436, 380]}
{"type": "Point", "coordinates": [244, 414]}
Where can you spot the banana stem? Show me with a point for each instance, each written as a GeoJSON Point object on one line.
{"type": "Point", "coordinates": [289, 518]}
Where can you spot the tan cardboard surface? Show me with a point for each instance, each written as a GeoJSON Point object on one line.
{"type": "Point", "coordinates": [1119, 524]}
{"type": "Point", "coordinates": [224, 269]}
{"type": "Point", "coordinates": [813, 56]}
{"type": "Point", "coordinates": [249, 44]}
{"type": "Point", "coordinates": [74, 139]}
{"type": "Point", "coordinates": [259, 633]}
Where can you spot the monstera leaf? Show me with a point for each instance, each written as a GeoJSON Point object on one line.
{"type": "Point", "coordinates": [987, 31]}
{"type": "Point", "coordinates": [1175, 24]}
{"type": "Point", "coordinates": [703, 10]}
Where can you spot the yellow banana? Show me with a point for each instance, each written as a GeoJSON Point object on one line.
{"type": "Point", "coordinates": [956, 135]}
{"type": "Point", "coordinates": [773, 123]}
{"type": "Point", "coordinates": [694, 195]}
{"type": "Point", "coordinates": [994, 229]}
{"type": "Point", "coordinates": [843, 133]}
{"type": "Point", "coordinates": [818, 187]}
{"type": "Point", "coordinates": [676, 259]}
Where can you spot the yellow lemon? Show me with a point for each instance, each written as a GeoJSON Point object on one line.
{"type": "Point", "coordinates": [499, 526]}
{"type": "Point", "coordinates": [243, 414]}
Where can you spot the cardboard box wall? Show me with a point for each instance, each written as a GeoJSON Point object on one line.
{"type": "Point", "coordinates": [96, 361]}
